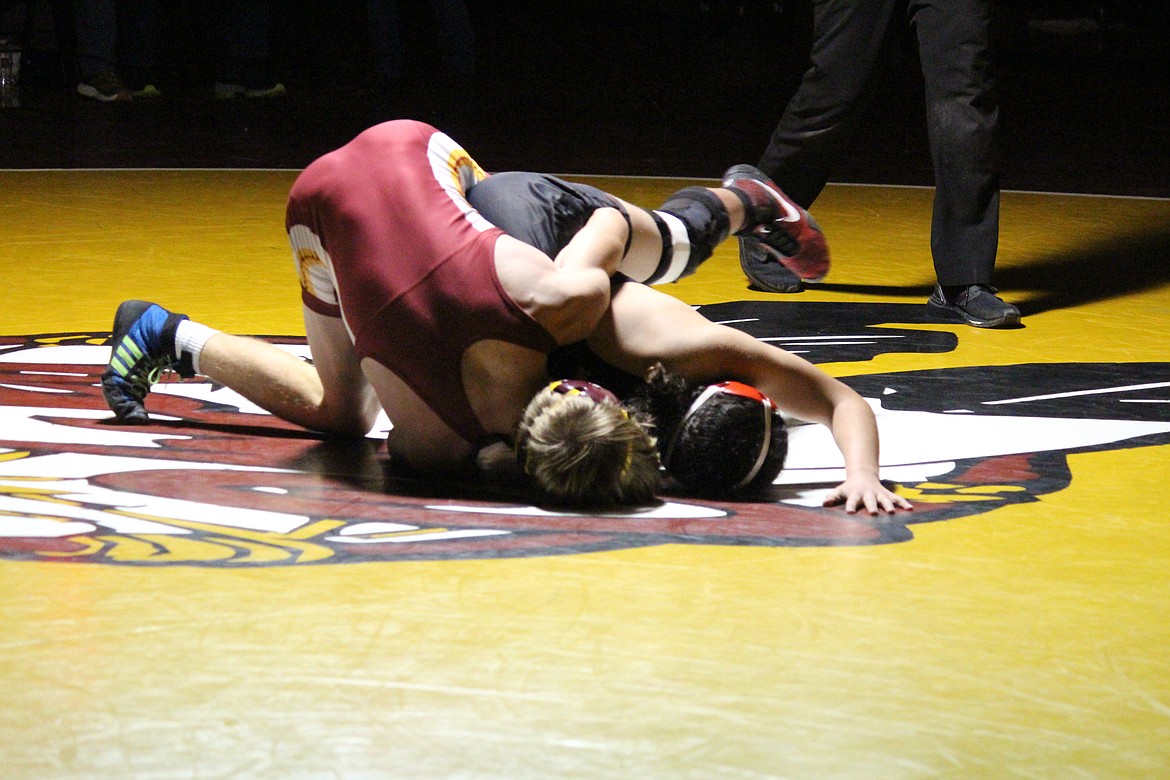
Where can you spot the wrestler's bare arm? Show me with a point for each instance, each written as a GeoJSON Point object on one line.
{"type": "Point", "coordinates": [644, 326]}
{"type": "Point", "coordinates": [597, 245]}
{"type": "Point", "coordinates": [569, 296]}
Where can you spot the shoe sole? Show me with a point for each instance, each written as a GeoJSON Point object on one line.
{"type": "Point", "coordinates": [780, 257]}
{"type": "Point", "coordinates": [794, 286]}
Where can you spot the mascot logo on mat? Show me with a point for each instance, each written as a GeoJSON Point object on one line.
{"type": "Point", "coordinates": [215, 481]}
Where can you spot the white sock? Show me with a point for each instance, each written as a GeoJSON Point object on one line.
{"type": "Point", "coordinates": [190, 337]}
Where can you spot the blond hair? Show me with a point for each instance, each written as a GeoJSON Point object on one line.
{"type": "Point", "coordinates": [581, 452]}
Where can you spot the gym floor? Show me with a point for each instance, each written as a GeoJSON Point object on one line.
{"type": "Point", "coordinates": [222, 595]}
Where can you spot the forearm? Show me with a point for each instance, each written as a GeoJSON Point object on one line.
{"type": "Point", "coordinates": [854, 429]}
{"type": "Point", "coordinates": [598, 245]}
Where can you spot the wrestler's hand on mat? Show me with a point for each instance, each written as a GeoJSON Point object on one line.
{"type": "Point", "coordinates": [866, 491]}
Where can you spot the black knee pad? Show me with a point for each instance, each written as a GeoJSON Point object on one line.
{"type": "Point", "coordinates": [692, 222]}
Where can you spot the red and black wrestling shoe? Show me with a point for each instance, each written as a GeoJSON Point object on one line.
{"type": "Point", "coordinates": [786, 232]}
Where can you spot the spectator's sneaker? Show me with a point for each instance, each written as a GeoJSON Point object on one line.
{"type": "Point", "coordinates": [106, 87]}
{"type": "Point", "coordinates": [147, 92]}
{"type": "Point", "coordinates": [976, 305]}
{"type": "Point", "coordinates": [141, 348]}
{"type": "Point", "coordinates": [790, 234]}
{"type": "Point", "coordinates": [763, 269]}
{"type": "Point", "coordinates": [225, 91]}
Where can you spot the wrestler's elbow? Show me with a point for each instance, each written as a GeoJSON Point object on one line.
{"type": "Point", "coordinates": [581, 313]}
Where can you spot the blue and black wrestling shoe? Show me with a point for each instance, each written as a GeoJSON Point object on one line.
{"type": "Point", "coordinates": [142, 346]}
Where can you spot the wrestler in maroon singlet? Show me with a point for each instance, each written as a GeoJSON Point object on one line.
{"type": "Point", "coordinates": [384, 238]}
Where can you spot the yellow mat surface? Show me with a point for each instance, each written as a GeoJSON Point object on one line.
{"type": "Point", "coordinates": [1018, 625]}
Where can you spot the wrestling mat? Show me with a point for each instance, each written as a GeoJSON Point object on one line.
{"type": "Point", "coordinates": [220, 594]}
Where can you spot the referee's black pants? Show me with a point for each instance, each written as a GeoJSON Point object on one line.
{"type": "Point", "coordinates": [857, 44]}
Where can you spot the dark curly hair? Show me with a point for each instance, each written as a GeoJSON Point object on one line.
{"type": "Point", "coordinates": [713, 449]}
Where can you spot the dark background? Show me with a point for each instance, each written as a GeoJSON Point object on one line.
{"type": "Point", "coordinates": [645, 87]}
